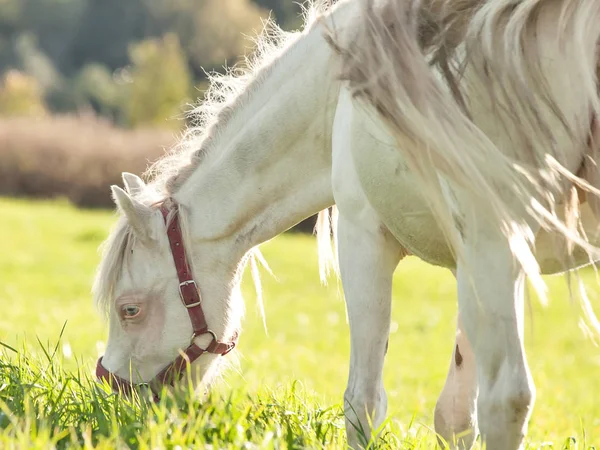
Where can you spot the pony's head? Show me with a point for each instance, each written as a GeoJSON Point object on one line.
{"type": "Point", "coordinates": [171, 302]}
{"type": "Point", "coordinates": [153, 328]}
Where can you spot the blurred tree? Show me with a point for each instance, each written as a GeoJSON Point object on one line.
{"type": "Point", "coordinates": [20, 95]}
{"type": "Point", "coordinates": [35, 62]}
{"type": "Point", "coordinates": [95, 86]}
{"type": "Point", "coordinates": [52, 23]}
{"type": "Point", "coordinates": [211, 31]}
{"type": "Point", "coordinates": [160, 83]}
{"type": "Point", "coordinates": [55, 23]}
{"type": "Point", "coordinates": [286, 13]}
{"type": "Point", "coordinates": [10, 16]}
{"type": "Point", "coordinates": [62, 98]}
{"type": "Point", "coordinates": [55, 40]}
{"type": "Point", "coordinates": [107, 29]}
{"type": "Point", "coordinates": [220, 27]}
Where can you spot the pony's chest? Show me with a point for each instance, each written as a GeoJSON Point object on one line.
{"type": "Point", "coordinates": [391, 190]}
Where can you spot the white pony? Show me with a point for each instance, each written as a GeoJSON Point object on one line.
{"type": "Point", "coordinates": [272, 147]}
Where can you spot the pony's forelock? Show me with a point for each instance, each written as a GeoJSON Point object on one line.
{"type": "Point", "coordinates": [114, 255]}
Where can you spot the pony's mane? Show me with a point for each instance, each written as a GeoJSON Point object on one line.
{"type": "Point", "coordinates": [442, 28]}
{"type": "Point", "coordinates": [226, 94]}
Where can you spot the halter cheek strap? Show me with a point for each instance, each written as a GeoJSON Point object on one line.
{"type": "Point", "coordinates": [190, 297]}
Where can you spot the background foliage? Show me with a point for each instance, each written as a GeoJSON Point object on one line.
{"type": "Point", "coordinates": [93, 53]}
{"type": "Point", "coordinates": [92, 88]}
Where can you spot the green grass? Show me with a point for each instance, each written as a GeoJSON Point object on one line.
{"type": "Point", "coordinates": [287, 391]}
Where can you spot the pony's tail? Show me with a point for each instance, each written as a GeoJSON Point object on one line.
{"type": "Point", "coordinates": [385, 68]}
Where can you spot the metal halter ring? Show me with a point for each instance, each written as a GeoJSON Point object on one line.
{"type": "Point", "coordinates": [211, 332]}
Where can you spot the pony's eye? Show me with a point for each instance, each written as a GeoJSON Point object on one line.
{"type": "Point", "coordinates": [130, 311]}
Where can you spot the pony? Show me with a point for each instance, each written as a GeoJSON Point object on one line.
{"type": "Point", "coordinates": [273, 144]}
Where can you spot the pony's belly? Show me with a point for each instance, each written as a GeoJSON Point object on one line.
{"type": "Point", "coordinates": [394, 193]}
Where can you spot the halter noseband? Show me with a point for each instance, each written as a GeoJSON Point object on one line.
{"type": "Point", "coordinates": [190, 296]}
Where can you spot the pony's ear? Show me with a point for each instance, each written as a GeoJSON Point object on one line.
{"type": "Point", "coordinates": [133, 184]}
{"type": "Point", "coordinates": [138, 215]}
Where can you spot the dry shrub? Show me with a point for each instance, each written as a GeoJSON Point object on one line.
{"type": "Point", "coordinates": [74, 157]}
{"type": "Point", "coordinates": [78, 158]}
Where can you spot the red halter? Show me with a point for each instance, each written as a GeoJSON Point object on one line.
{"type": "Point", "coordinates": [190, 296]}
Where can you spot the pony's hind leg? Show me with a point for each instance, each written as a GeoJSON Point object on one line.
{"type": "Point", "coordinates": [368, 256]}
{"type": "Point", "coordinates": [490, 297]}
{"type": "Point", "coordinates": [455, 411]}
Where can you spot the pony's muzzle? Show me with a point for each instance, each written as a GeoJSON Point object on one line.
{"type": "Point", "coordinates": [121, 385]}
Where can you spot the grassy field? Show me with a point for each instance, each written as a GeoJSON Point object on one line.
{"type": "Point", "coordinates": [288, 388]}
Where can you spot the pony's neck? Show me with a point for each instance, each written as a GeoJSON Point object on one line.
{"type": "Point", "coordinates": [271, 165]}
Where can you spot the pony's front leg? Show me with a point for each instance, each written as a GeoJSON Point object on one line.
{"type": "Point", "coordinates": [455, 411]}
{"type": "Point", "coordinates": [368, 255]}
{"type": "Point", "coordinates": [490, 298]}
